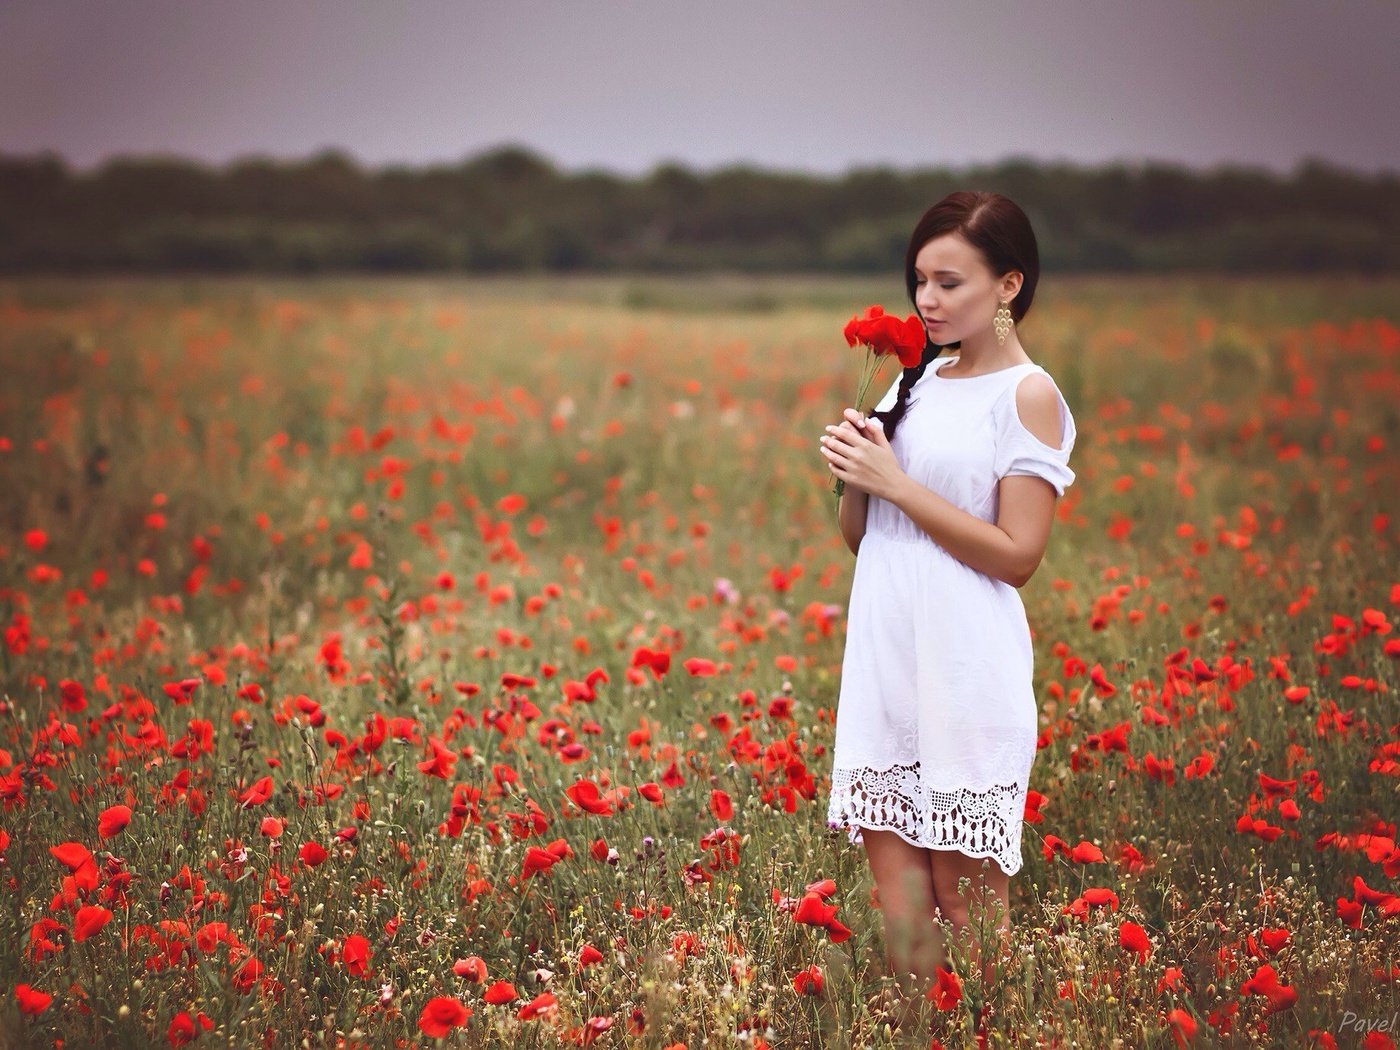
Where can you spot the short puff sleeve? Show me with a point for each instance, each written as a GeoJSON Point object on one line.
{"type": "Point", "coordinates": [891, 396]}
{"type": "Point", "coordinates": [1021, 452]}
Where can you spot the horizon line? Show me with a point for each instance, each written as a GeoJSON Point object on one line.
{"type": "Point", "coordinates": [318, 153]}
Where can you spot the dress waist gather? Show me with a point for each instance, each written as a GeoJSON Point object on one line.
{"type": "Point", "coordinates": [920, 538]}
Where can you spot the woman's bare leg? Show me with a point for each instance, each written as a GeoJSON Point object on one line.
{"type": "Point", "coordinates": [909, 903]}
{"type": "Point", "coordinates": [989, 888]}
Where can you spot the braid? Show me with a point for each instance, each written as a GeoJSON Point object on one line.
{"type": "Point", "coordinates": [891, 416]}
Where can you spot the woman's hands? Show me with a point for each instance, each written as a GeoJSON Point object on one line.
{"type": "Point", "coordinates": [858, 452]}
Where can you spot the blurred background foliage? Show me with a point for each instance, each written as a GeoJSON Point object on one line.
{"type": "Point", "coordinates": [510, 210]}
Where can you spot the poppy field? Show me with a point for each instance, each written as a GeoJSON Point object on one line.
{"type": "Point", "coordinates": [388, 662]}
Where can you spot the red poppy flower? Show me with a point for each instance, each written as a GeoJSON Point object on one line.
{"type": "Point", "coordinates": [257, 794]}
{"type": "Point", "coordinates": [587, 796]}
{"type": "Point", "coordinates": [658, 660]}
{"type": "Point", "coordinates": [112, 820]}
{"type": "Point", "coordinates": [72, 855]}
{"type": "Point", "coordinates": [472, 968]}
{"type": "Point", "coordinates": [1265, 983]}
{"type": "Point", "coordinates": [186, 1029]}
{"type": "Point", "coordinates": [1276, 787]}
{"type": "Point", "coordinates": [1183, 1026]}
{"type": "Point", "coordinates": [1102, 686]}
{"type": "Point", "coordinates": [1086, 853]}
{"type": "Point", "coordinates": [537, 860]}
{"type": "Point", "coordinates": [31, 1000]}
{"type": "Point", "coordinates": [248, 975]}
{"type": "Point", "coordinates": [440, 1015]}
{"type": "Point", "coordinates": [1034, 800]}
{"type": "Point", "coordinates": [78, 860]}
{"type": "Point", "coordinates": [1172, 977]}
{"type": "Point", "coordinates": [355, 955]}
{"type": "Point", "coordinates": [595, 1027]}
{"type": "Point", "coordinates": [540, 1005]}
{"type": "Point", "coordinates": [181, 692]}
{"type": "Point", "coordinates": [440, 765]}
{"type": "Point", "coordinates": [1350, 912]}
{"type": "Point", "coordinates": [809, 981]}
{"type": "Point", "coordinates": [811, 911]}
{"type": "Point", "coordinates": [1134, 938]}
{"type": "Point", "coordinates": [822, 887]}
{"type": "Point", "coordinates": [720, 805]}
{"type": "Point", "coordinates": [500, 992]}
{"type": "Point", "coordinates": [886, 334]}
{"type": "Point", "coordinates": [89, 920]}
{"type": "Point", "coordinates": [1097, 895]}
{"type": "Point", "coordinates": [946, 992]}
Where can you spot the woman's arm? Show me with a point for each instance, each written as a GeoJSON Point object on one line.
{"type": "Point", "coordinates": [851, 513]}
{"type": "Point", "coordinates": [1012, 556]}
{"type": "Point", "coordinates": [854, 503]}
{"type": "Point", "coordinates": [1011, 549]}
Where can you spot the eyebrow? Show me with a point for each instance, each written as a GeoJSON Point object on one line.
{"type": "Point", "coordinates": [936, 273]}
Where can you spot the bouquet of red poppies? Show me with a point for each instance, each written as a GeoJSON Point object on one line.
{"type": "Point", "coordinates": [884, 336]}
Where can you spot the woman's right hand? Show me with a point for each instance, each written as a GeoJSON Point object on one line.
{"type": "Point", "coordinates": [854, 421]}
{"type": "Point", "coordinates": [851, 512]}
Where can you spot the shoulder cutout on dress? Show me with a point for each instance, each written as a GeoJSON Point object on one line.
{"type": "Point", "coordinates": [1037, 408]}
{"type": "Point", "coordinates": [1026, 416]}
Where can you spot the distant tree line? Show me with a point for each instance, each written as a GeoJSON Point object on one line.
{"type": "Point", "coordinates": [510, 209]}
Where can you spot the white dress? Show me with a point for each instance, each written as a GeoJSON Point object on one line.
{"type": "Point", "coordinates": [936, 719]}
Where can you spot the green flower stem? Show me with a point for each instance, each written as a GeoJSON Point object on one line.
{"type": "Point", "coordinates": [873, 363]}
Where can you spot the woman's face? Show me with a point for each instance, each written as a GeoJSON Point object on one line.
{"type": "Point", "coordinates": [955, 291]}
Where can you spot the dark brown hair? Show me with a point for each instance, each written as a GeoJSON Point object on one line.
{"type": "Point", "coordinates": [997, 228]}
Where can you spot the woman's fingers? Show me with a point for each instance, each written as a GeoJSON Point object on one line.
{"type": "Point", "coordinates": [846, 456]}
{"type": "Point", "coordinates": [835, 449]}
{"type": "Point", "coordinates": [838, 438]}
{"type": "Point", "coordinates": [846, 431]}
{"type": "Point", "coordinates": [841, 443]}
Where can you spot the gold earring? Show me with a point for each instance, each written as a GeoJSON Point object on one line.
{"type": "Point", "coordinates": [1002, 323]}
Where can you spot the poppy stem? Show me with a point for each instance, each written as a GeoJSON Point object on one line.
{"type": "Point", "coordinates": [873, 363]}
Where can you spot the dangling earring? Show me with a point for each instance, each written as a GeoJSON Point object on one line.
{"type": "Point", "coordinates": [1002, 323]}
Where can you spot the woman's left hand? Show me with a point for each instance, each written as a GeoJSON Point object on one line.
{"type": "Point", "coordinates": [861, 456]}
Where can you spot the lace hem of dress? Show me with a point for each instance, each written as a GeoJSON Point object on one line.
{"type": "Point", "coordinates": [980, 822]}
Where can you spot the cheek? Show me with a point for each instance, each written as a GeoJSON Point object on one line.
{"type": "Point", "coordinates": [968, 304]}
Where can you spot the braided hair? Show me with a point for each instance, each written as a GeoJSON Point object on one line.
{"type": "Point", "coordinates": [891, 416]}
{"type": "Point", "coordinates": [996, 227]}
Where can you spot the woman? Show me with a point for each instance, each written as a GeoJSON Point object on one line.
{"type": "Point", "coordinates": [948, 505]}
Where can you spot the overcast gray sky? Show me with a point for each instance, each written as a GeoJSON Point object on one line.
{"type": "Point", "coordinates": [813, 85]}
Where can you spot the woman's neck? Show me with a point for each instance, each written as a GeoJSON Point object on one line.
{"type": "Point", "coordinates": [985, 354]}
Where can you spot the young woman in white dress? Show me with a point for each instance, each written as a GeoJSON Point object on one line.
{"type": "Point", "coordinates": [937, 719]}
